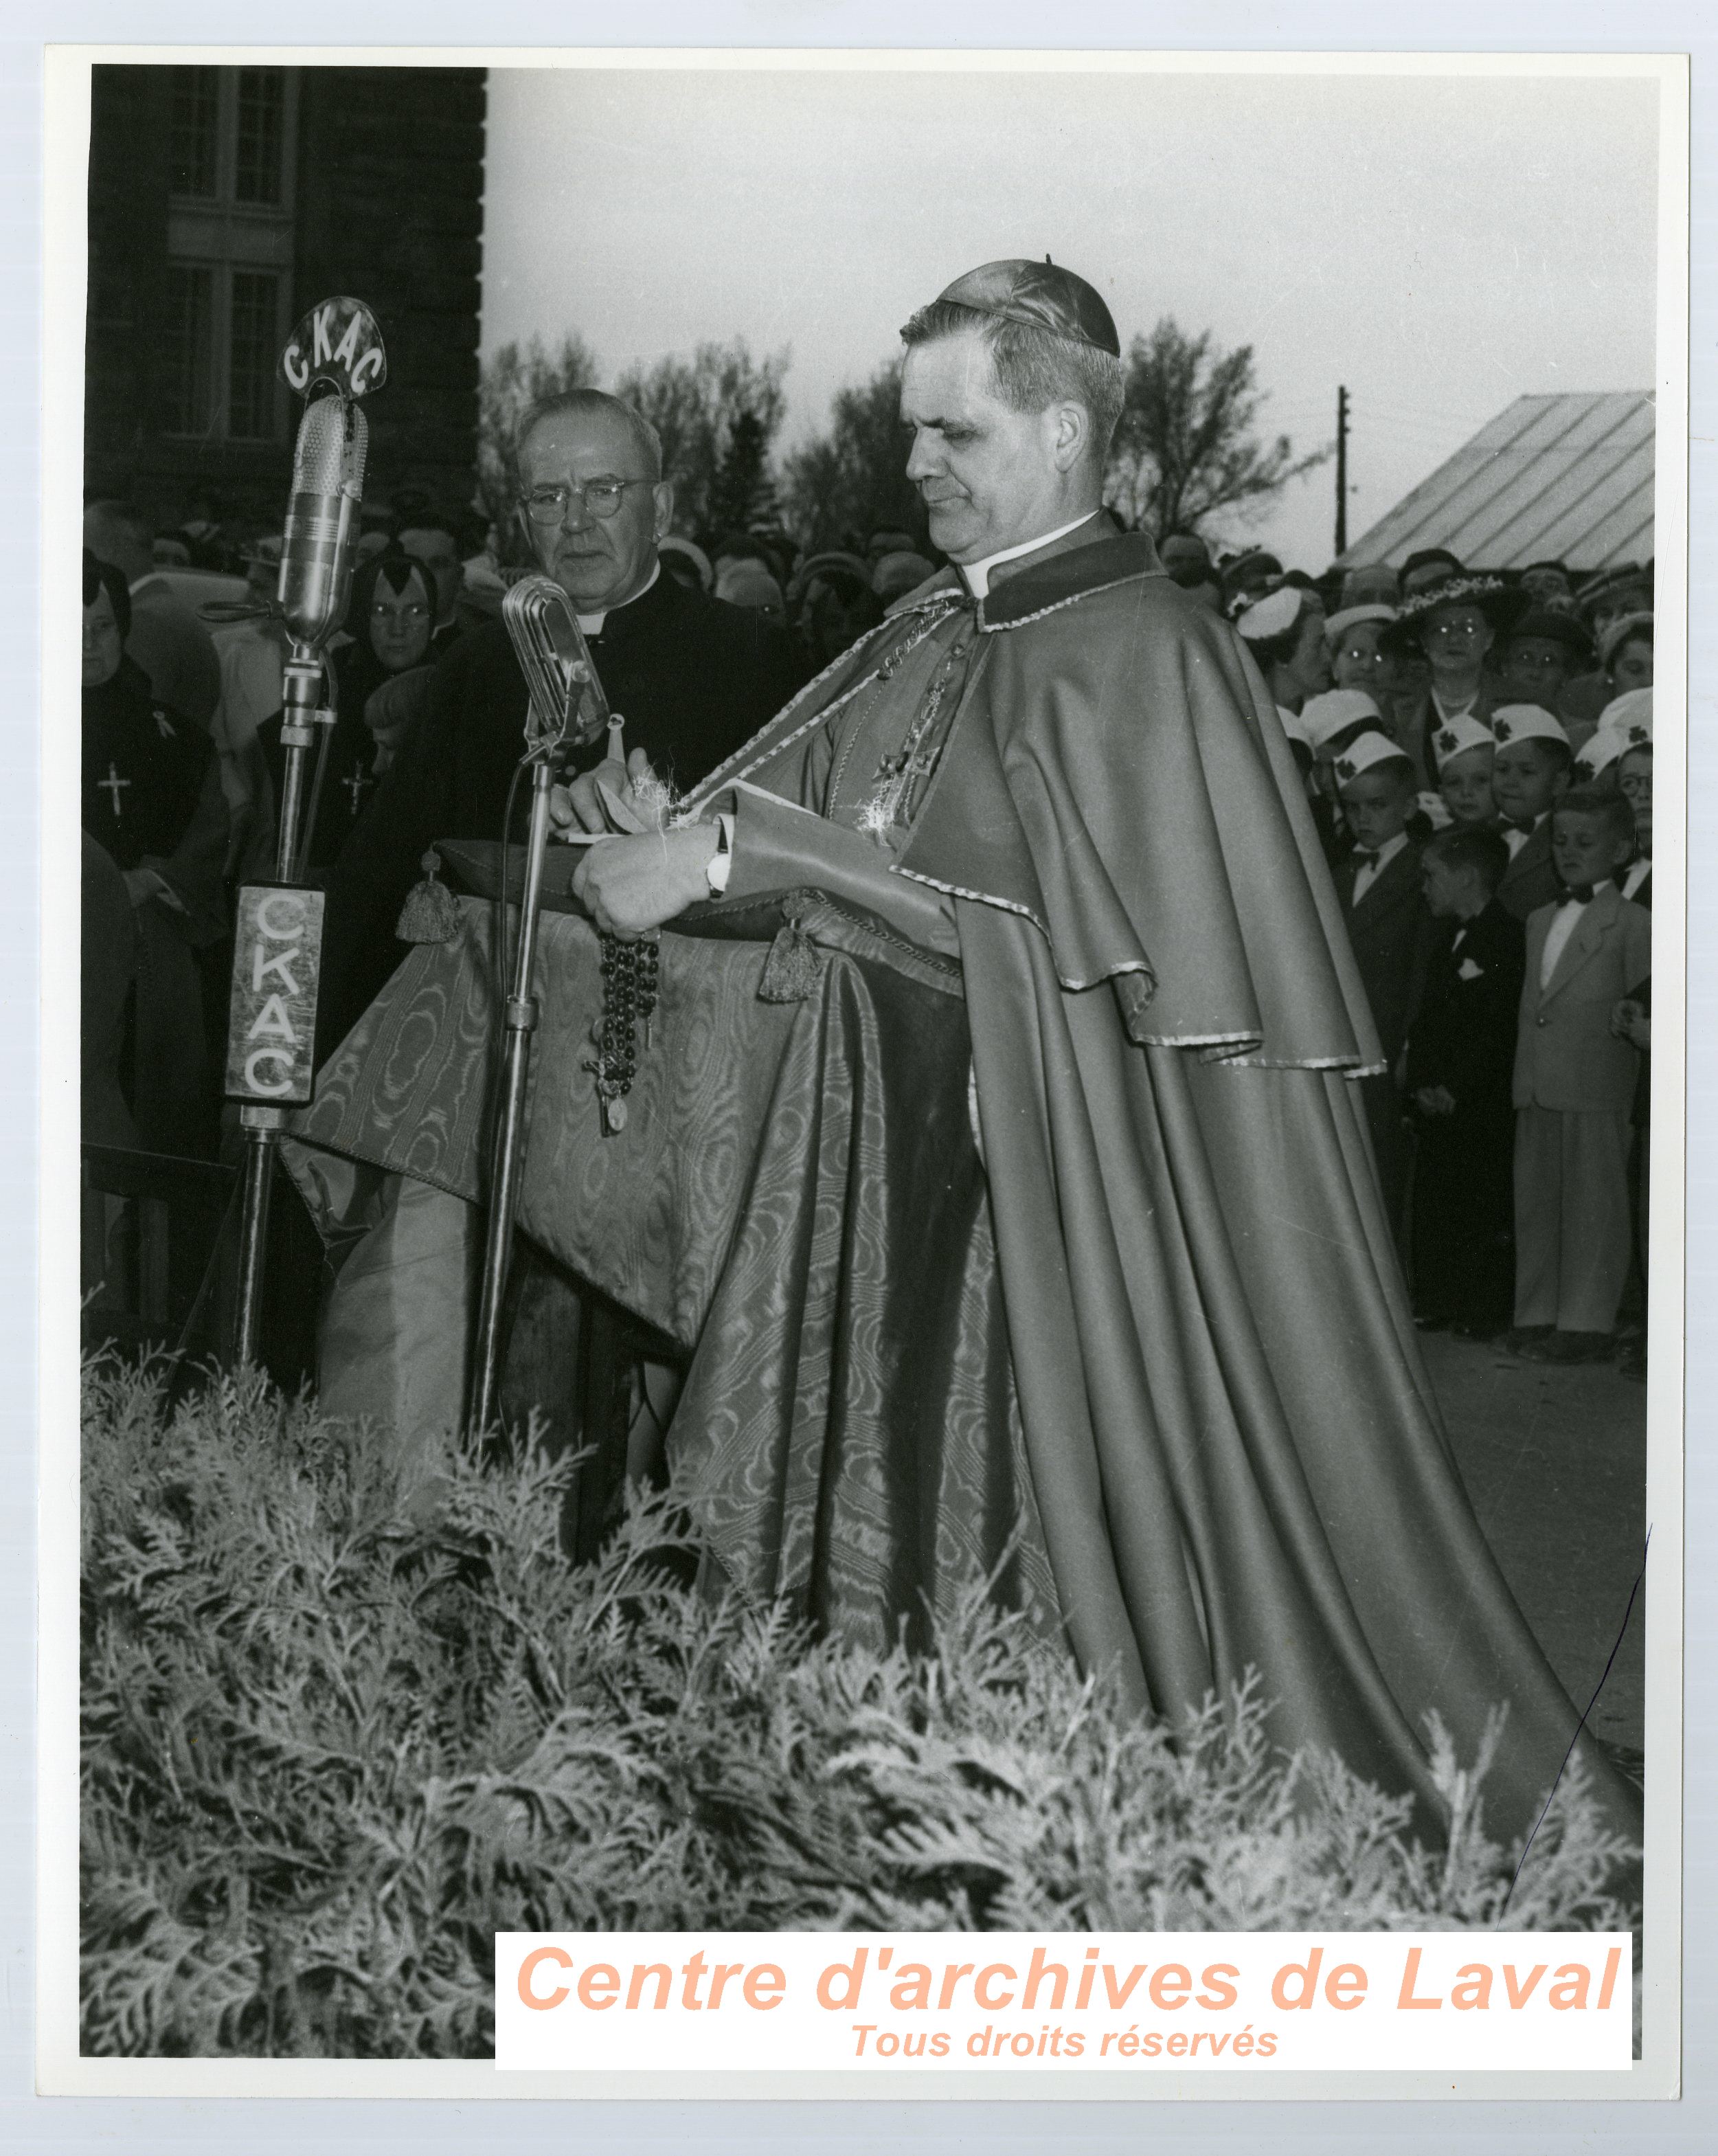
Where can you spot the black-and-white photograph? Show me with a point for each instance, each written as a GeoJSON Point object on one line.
{"type": "Point", "coordinates": [866, 1015]}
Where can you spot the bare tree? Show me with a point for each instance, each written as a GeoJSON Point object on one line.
{"type": "Point", "coordinates": [852, 480]}
{"type": "Point", "coordinates": [510, 384]}
{"type": "Point", "coordinates": [695, 406]}
{"type": "Point", "coordinates": [1185, 451]}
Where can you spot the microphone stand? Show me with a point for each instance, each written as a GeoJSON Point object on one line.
{"type": "Point", "coordinates": [303, 709]}
{"type": "Point", "coordinates": [333, 360]}
{"type": "Point", "coordinates": [564, 698]}
{"type": "Point", "coordinates": [508, 1156]}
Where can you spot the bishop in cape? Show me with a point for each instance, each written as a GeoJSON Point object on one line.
{"type": "Point", "coordinates": [1047, 771]}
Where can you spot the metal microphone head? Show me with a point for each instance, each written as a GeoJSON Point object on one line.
{"type": "Point", "coordinates": [322, 519]}
{"type": "Point", "coordinates": [566, 695]}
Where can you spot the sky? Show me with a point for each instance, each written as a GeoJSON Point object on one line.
{"type": "Point", "coordinates": [1439, 244]}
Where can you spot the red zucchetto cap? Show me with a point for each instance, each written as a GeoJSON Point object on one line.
{"type": "Point", "coordinates": [1043, 296]}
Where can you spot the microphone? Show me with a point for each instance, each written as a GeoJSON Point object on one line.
{"type": "Point", "coordinates": [322, 519]}
{"type": "Point", "coordinates": [566, 695]}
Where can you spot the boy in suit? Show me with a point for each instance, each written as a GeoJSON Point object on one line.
{"type": "Point", "coordinates": [1574, 1089]}
{"type": "Point", "coordinates": [1461, 1046]}
{"type": "Point", "coordinates": [1379, 886]}
{"type": "Point", "coordinates": [1530, 773]}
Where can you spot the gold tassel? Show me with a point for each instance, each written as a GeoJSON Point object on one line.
{"type": "Point", "coordinates": [794, 967]}
{"type": "Point", "coordinates": [431, 912]}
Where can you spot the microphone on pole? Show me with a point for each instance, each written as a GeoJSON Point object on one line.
{"type": "Point", "coordinates": [322, 517]}
{"type": "Point", "coordinates": [333, 358]}
{"type": "Point", "coordinates": [565, 705]}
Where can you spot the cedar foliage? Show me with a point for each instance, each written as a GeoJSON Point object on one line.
{"type": "Point", "coordinates": [348, 1712]}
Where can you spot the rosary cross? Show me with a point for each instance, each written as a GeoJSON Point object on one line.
{"type": "Point", "coordinates": [357, 786]}
{"type": "Point", "coordinates": [111, 785]}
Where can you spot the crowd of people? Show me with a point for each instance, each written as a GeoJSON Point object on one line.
{"type": "Point", "coordinates": [1476, 749]}
{"type": "Point", "coordinates": [1478, 755]}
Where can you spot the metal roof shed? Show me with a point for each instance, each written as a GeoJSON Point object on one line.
{"type": "Point", "coordinates": [1565, 478]}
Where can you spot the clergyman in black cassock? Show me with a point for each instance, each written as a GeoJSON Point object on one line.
{"type": "Point", "coordinates": [692, 677]}
{"type": "Point", "coordinates": [1463, 1041]}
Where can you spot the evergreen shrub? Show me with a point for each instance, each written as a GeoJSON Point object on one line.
{"type": "Point", "coordinates": [348, 1711]}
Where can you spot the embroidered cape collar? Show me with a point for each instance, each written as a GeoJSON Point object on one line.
{"type": "Point", "coordinates": [1114, 557]}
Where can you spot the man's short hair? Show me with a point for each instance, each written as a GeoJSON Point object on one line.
{"type": "Point", "coordinates": [1033, 368]}
{"type": "Point", "coordinates": [1612, 810]}
{"type": "Point", "coordinates": [1473, 846]}
{"type": "Point", "coordinates": [431, 520]}
{"type": "Point", "coordinates": [590, 404]}
{"type": "Point", "coordinates": [1426, 557]}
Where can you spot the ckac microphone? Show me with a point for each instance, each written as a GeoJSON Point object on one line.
{"type": "Point", "coordinates": [322, 519]}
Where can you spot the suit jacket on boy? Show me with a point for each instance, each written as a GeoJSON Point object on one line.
{"type": "Point", "coordinates": [1531, 880]}
{"type": "Point", "coordinates": [1567, 1057]}
{"type": "Point", "coordinates": [1392, 934]}
{"type": "Point", "coordinates": [1463, 1035]}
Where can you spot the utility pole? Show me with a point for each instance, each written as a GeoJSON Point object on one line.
{"type": "Point", "coordinates": [1341, 471]}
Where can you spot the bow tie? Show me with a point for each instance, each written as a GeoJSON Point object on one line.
{"type": "Point", "coordinates": [1526, 828]}
{"type": "Point", "coordinates": [1579, 893]}
{"type": "Point", "coordinates": [1368, 859]}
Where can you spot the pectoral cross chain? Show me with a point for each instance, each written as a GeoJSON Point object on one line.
{"type": "Point", "coordinates": [111, 785]}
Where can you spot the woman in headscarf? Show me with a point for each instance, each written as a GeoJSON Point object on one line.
{"type": "Point", "coordinates": [153, 802]}
{"type": "Point", "coordinates": [389, 621]}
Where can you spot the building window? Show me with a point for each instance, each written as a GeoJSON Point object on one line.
{"type": "Point", "coordinates": [195, 155]}
{"type": "Point", "coordinates": [252, 394]}
{"type": "Point", "coordinates": [230, 249]}
{"type": "Point", "coordinates": [191, 314]}
{"type": "Point", "coordinates": [257, 171]}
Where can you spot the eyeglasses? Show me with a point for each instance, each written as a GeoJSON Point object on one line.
{"type": "Point", "coordinates": [602, 497]}
{"type": "Point", "coordinates": [1458, 626]}
{"type": "Point", "coordinates": [410, 612]}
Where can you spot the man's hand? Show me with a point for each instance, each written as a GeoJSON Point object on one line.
{"type": "Point", "coordinates": [1435, 1101]}
{"type": "Point", "coordinates": [633, 885]}
{"type": "Point", "coordinates": [579, 807]}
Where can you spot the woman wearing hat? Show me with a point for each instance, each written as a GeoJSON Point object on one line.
{"type": "Point", "coordinates": [1455, 624]}
{"type": "Point", "coordinates": [1543, 649]}
{"type": "Point", "coordinates": [1285, 633]}
{"type": "Point", "coordinates": [1625, 652]}
{"type": "Point", "coordinates": [1352, 642]}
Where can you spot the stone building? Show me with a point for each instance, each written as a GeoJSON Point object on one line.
{"type": "Point", "coordinates": [223, 203]}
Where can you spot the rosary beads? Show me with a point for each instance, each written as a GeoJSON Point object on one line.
{"type": "Point", "coordinates": [629, 973]}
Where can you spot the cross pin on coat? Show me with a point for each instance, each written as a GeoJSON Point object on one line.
{"type": "Point", "coordinates": [111, 785]}
{"type": "Point", "coordinates": [357, 785]}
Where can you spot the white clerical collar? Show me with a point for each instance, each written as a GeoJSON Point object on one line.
{"type": "Point", "coordinates": [977, 573]}
{"type": "Point", "coordinates": [591, 625]}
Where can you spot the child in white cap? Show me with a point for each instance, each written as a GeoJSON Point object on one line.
{"type": "Point", "coordinates": [1388, 927]}
{"type": "Point", "coordinates": [1460, 1060]}
{"type": "Point", "coordinates": [1466, 747]}
{"type": "Point", "coordinates": [1529, 772]}
{"type": "Point", "coordinates": [1588, 950]}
